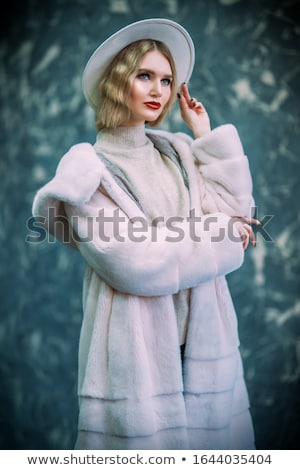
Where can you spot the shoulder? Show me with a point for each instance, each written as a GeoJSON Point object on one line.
{"type": "Point", "coordinates": [77, 177]}
{"type": "Point", "coordinates": [179, 141]}
{"type": "Point", "coordinates": [79, 172]}
{"type": "Point", "coordinates": [81, 157]}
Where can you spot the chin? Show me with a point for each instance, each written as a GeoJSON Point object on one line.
{"type": "Point", "coordinates": [153, 117]}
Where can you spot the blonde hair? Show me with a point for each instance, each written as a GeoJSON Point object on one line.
{"type": "Point", "coordinates": [115, 84]}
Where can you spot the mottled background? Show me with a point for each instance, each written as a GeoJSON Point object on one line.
{"type": "Point", "coordinates": [247, 72]}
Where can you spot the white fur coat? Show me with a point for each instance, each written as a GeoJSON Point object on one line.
{"type": "Point", "coordinates": [133, 393]}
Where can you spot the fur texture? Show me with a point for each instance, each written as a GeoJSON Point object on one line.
{"type": "Point", "coordinates": [133, 393]}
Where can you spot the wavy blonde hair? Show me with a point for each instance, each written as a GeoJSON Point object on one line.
{"type": "Point", "coordinates": [115, 84]}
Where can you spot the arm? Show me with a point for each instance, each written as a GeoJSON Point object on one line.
{"type": "Point", "coordinates": [223, 170]}
{"type": "Point", "coordinates": [155, 261]}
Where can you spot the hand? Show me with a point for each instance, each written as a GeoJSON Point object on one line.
{"type": "Point", "coordinates": [193, 113]}
{"type": "Point", "coordinates": [245, 229]}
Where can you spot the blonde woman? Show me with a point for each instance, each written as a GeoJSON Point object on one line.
{"type": "Point", "coordinates": [160, 219]}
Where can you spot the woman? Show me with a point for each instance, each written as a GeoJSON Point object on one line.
{"type": "Point", "coordinates": [160, 219]}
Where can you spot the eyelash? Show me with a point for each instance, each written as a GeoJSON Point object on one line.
{"type": "Point", "coordinates": [146, 76]}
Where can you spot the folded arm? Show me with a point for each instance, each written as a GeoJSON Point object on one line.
{"type": "Point", "coordinates": [139, 259]}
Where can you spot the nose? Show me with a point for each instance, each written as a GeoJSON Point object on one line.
{"type": "Point", "coordinates": [156, 88]}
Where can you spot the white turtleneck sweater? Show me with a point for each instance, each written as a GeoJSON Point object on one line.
{"type": "Point", "coordinates": [158, 185]}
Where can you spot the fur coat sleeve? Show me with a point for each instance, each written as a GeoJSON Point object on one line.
{"type": "Point", "coordinates": [180, 254]}
{"type": "Point", "coordinates": [156, 261]}
{"type": "Point", "coordinates": [223, 170]}
{"type": "Point", "coordinates": [223, 173]}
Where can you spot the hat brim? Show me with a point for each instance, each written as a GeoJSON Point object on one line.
{"type": "Point", "coordinates": [172, 34]}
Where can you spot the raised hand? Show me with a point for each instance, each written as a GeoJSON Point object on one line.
{"type": "Point", "coordinates": [193, 113]}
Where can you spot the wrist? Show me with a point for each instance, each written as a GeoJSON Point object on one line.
{"type": "Point", "coordinates": [197, 133]}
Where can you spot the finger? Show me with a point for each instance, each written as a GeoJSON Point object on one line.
{"type": "Point", "coordinates": [199, 107]}
{"type": "Point", "coordinates": [242, 232]}
{"type": "Point", "coordinates": [251, 234]}
{"type": "Point", "coordinates": [245, 238]}
{"type": "Point", "coordinates": [196, 105]}
{"type": "Point", "coordinates": [248, 220]}
{"type": "Point", "coordinates": [184, 107]}
{"type": "Point", "coordinates": [252, 221]}
{"type": "Point", "coordinates": [246, 243]}
{"type": "Point", "coordinates": [185, 92]}
{"type": "Point", "coordinates": [192, 102]}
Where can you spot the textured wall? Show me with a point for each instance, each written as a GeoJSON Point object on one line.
{"type": "Point", "coordinates": [247, 68]}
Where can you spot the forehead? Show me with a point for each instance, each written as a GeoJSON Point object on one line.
{"type": "Point", "coordinates": [156, 61]}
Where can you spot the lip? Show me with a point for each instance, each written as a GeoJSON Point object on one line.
{"type": "Point", "coordinates": [153, 104]}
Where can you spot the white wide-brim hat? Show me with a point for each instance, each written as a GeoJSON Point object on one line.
{"type": "Point", "coordinates": [172, 34]}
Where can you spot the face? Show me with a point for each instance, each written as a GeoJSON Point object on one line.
{"type": "Point", "coordinates": [151, 89]}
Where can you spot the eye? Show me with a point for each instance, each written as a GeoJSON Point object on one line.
{"type": "Point", "coordinates": [144, 76]}
{"type": "Point", "coordinates": [166, 81]}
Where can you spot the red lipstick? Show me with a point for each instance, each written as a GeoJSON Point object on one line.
{"type": "Point", "coordinates": [153, 104]}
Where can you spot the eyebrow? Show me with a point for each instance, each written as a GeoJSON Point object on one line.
{"type": "Point", "coordinates": [167, 75]}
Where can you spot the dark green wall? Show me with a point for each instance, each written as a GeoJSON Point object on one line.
{"type": "Point", "coordinates": [247, 71]}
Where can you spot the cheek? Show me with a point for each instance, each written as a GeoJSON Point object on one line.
{"type": "Point", "coordinates": [137, 90]}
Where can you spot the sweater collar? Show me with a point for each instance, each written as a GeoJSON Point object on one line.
{"type": "Point", "coordinates": [125, 137]}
